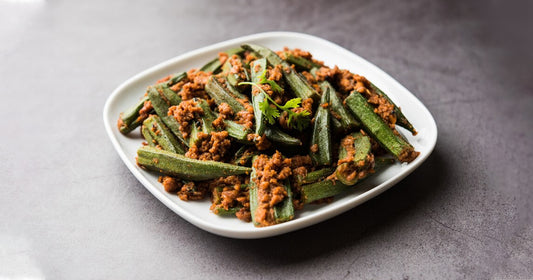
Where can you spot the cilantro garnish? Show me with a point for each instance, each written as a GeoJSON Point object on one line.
{"type": "Point", "coordinates": [299, 120]}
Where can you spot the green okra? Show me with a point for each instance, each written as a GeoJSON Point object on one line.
{"type": "Point", "coordinates": [378, 129]}
{"type": "Point", "coordinates": [314, 189]}
{"type": "Point", "coordinates": [235, 92]}
{"type": "Point", "coordinates": [237, 131]}
{"type": "Point", "coordinates": [257, 67]}
{"type": "Point", "coordinates": [321, 145]}
{"type": "Point", "coordinates": [226, 212]}
{"type": "Point", "coordinates": [296, 82]}
{"type": "Point", "coordinates": [193, 135]}
{"type": "Point", "coordinates": [244, 155]}
{"type": "Point", "coordinates": [253, 193]}
{"type": "Point", "coordinates": [342, 119]}
{"type": "Point", "coordinates": [169, 95]}
{"type": "Point", "coordinates": [219, 209]}
{"type": "Point", "coordinates": [214, 65]}
{"type": "Point", "coordinates": [381, 162]}
{"type": "Point", "coordinates": [359, 159]}
{"type": "Point", "coordinates": [315, 176]}
{"type": "Point", "coordinates": [222, 95]}
{"type": "Point", "coordinates": [318, 189]}
{"type": "Point", "coordinates": [145, 131]}
{"type": "Point", "coordinates": [300, 62]}
{"type": "Point", "coordinates": [130, 119]}
{"type": "Point", "coordinates": [283, 211]}
{"type": "Point", "coordinates": [176, 78]}
{"type": "Point", "coordinates": [161, 135]}
{"type": "Point", "coordinates": [274, 134]}
{"type": "Point", "coordinates": [234, 79]}
{"type": "Point", "coordinates": [182, 167]}
{"type": "Point", "coordinates": [208, 116]}
{"type": "Point", "coordinates": [161, 104]}
{"type": "Point", "coordinates": [322, 189]}
{"type": "Point", "coordinates": [401, 120]}
{"type": "Point", "coordinates": [260, 119]}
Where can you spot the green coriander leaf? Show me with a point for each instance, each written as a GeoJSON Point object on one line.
{"type": "Point", "coordinates": [271, 113]}
{"type": "Point", "coordinates": [293, 103]}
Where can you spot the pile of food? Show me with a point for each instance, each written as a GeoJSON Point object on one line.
{"type": "Point", "coordinates": [262, 133]}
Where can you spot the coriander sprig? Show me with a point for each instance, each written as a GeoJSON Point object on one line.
{"type": "Point", "coordinates": [297, 120]}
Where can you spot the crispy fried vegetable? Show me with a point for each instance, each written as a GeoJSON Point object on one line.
{"type": "Point", "coordinates": [182, 167]}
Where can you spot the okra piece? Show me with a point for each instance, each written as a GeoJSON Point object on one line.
{"type": "Point", "coordinates": [315, 176]}
{"type": "Point", "coordinates": [219, 209]}
{"type": "Point", "coordinates": [172, 97]}
{"type": "Point", "coordinates": [401, 120]}
{"type": "Point", "coordinates": [327, 188]}
{"type": "Point", "coordinates": [253, 193]}
{"type": "Point", "coordinates": [226, 212]}
{"type": "Point", "coordinates": [235, 92]}
{"type": "Point", "coordinates": [208, 116]}
{"type": "Point", "coordinates": [257, 67]}
{"type": "Point", "coordinates": [297, 82]}
{"type": "Point", "coordinates": [182, 167]}
{"type": "Point", "coordinates": [162, 135]}
{"type": "Point", "coordinates": [274, 134]}
{"type": "Point", "coordinates": [356, 150]}
{"type": "Point", "coordinates": [145, 131]}
{"type": "Point", "coordinates": [321, 146]}
{"type": "Point", "coordinates": [244, 156]}
{"type": "Point", "coordinates": [193, 135]}
{"type": "Point", "coordinates": [300, 62]}
{"type": "Point", "coordinates": [130, 119]}
{"type": "Point", "coordinates": [237, 131]}
{"type": "Point", "coordinates": [214, 65]}
{"type": "Point", "coordinates": [283, 211]}
{"type": "Point", "coordinates": [161, 104]}
{"type": "Point", "coordinates": [342, 119]}
{"type": "Point", "coordinates": [176, 78]}
{"type": "Point", "coordinates": [322, 189]}
{"type": "Point", "coordinates": [378, 129]}
{"type": "Point", "coordinates": [235, 78]}
{"type": "Point", "coordinates": [381, 162]}
{"type": "Point", "coordinates": [260, 119]}
{"type": "Point", "coordinates": [222, 95]}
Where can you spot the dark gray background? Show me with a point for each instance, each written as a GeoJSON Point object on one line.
{"type": "Point", "coordinates": [70, 209]}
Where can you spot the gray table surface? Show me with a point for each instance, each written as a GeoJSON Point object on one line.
{"type": "Point", "coordinates": [70, 209]}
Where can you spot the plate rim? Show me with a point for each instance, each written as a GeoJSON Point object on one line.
{"type": "Point", "coordinates": [301, 222]}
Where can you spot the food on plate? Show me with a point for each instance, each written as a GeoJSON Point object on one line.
{"type": "Point", "coordinates": [263, 133]}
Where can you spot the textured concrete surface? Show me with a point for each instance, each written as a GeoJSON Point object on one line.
{"type": "Point", "coordinates": [69, 208]}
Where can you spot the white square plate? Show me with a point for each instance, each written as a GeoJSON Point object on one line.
{"type": "Point", "coordinates": [197, 212]}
